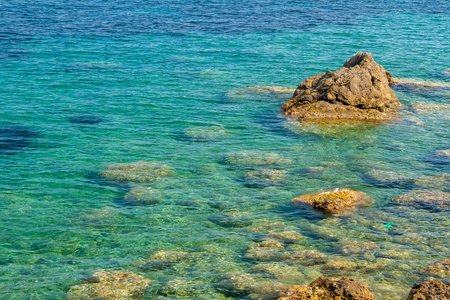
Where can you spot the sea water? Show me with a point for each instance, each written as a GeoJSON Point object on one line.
{"type": "Point", "coordinates": [87, 84]}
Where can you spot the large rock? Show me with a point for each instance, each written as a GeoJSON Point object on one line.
{"type": "Point", "coordinates": [105, 284]}
{"type": "Point", "coordinates": [433, 290]}
{"type": "Point", "coordinates": [360, 90]}
{"type": "Point", "coordinates": [333, 202]}
{"type": "Point", "coordinates": [325, 289]}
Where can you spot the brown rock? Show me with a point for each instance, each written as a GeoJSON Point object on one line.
{"type": "Point", "coordinates": [360, 90]}
{"type": "Point", "coordinates": [333, 201]}
{"type": "Point", "coordinates": [106, 284]}
{"type": "Point", "coordinates": [438, 269]}
{"type": "Point", "coordinates": [430, 290]}
{"type": "Point", "coordinates": [325, 289]}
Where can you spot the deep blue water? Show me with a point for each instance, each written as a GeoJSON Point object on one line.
{"type": "Point", "coordinates": [88, 84]}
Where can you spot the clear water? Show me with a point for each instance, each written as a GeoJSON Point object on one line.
{"type": "Point", "coordinates": [150, 71]}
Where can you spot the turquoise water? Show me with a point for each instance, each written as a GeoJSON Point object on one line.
{"type": "Point", "coordinates": [148, 78]}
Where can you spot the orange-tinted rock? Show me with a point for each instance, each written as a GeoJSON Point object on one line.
{"type": "Point", "coordinates": [360, 90]}
{"type": "Point", "coordinates": [432, 290]}
{"type": "Point", "coordinates": [325, 289]}
{"type": "Point", "coordinates": [333, 201]}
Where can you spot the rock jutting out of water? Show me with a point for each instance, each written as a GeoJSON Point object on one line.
{"type": "Point", "coordinates": [325, 289]}
{"type": "Point", "coordinates": [139, 171]}
{"type": "Point", "coordinates": [430, 290]}
{"type": "Point", "coordinates": [105, 284]}
{"type": "Point", "coordinates": [14, 138]}
{"type": "Point", "coordinates": [333, 202]}
{"type": "Point", "coordinates": [360, 90]}
{"type": "Point", "coordinates": [439, 269]}
{"type": "Point", "coordinates": [428, 199]}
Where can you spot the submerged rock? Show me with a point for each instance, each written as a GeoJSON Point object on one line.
{"type": "Point", "coordinates": [325, 289]}
{"type": "Point", "coordinates": [182, 288]}
{"type": "Point", "coordinates": [204, 133]}
{"type": "Point", "coordinates": [232, 219]}
{"type": "Point", "coordinates": [304, 257]}
{"type": "Point", "coordinates": [266, 250]}
{"type": "Point", "coordinates": [142, 195]}
{"type": "Point", "coordinates": [420, 84]}
{"type": "Point", "coordinates": [440, 157]}
{"type": "Point", "coordinates": [255, 158]}
{"type": "Point", "coordinates": [139, 171]}
{"type": "Point", "coordinates": [85, 119]}
{"type": "Point", "coordinates": [439, 182]}
{"type": "Point", "coordinates": [165, 258]}
{"type": "Point", "coordinates": [438, 269]}
{"type": "Point", "coordinates": [286, 237]}
{"type": "Point", "coordinates": [106, 284]}
{"type": "Point", "coordinates": [428, 199]}
{"type": "Point", "coordinates": [14, 138]}
{"type": "Point", "coordinates": [360, 90]}
{"type": "Point", "coordinates": [248, 93]}
{"type": "Point", "coordinates": [430, 290]}
{"type": "Point", "coordinates": [333, 202]}
{"type": "Point", "coordinates": [279, 270]}
{"type": "Point", "coordinates": [359, 247]}
{"type": "Point", "coordinates": [265, 177]}
{"type": "Point", "coordinates": [236, 284]}
{"type": "Point", "coordinates": [387, 178]}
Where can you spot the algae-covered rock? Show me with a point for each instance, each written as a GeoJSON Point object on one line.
{"type": "Point", "coordinates": [267, 289]}
{"type": "Point", "coordinates": [231, 219]}
{"type": "Point", "coordinates": [265, 177]}
{"type": "Point", "coordinates": [183, 288]}
{"type": "Point", "coordinates": [139, 171]}
{"type": "Point", "coordinates": [279, 270]}
{"type": "Point", "coordinates": [287, 237]}
{"type": "Point", "coordinates": [255, 158]}
{"type": "Point", "coordinates": [266, 250]}
{"type": "Point", "coordinates": [360, 90]}
{"type": "Point", "coordinates": [438, 269]}
{"type": "Point", "coordinates": [236, 284]}
{"type": "Point", "coordinates": [204, 133]}
{"type": "Point", "coordinates": [142, 195]}
{"type": "Point", "coordinates": [334, 201]}
{"type": "Point", "coordinates": [325, 289]}
{"type": "Point", "coordinates": [105, 284]}
{"type": "Point", "coordinates": [428, 199]}
{"type": "Point", "coordinates": [438, 182]}
{"type": "Point", "coordinates": [359, 247]}
{"type": "Point", "coordinates": [339, 265]}
{"type": "Point", "coordinates": [304, 257]}
{"type": "Point", "coordinates": [430, 290]}
{"type": "Point", "coordinates": [387, 178]}
{"type": "Point", "coordinates": [165, 258]}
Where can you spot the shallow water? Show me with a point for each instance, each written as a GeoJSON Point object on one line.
{"type": "Point", "coordinates": [165, 82]}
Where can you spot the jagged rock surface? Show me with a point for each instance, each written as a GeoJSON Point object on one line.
{"type": "Point", "coordinates": [360, 90]}
{"type": "Point", "coordinates": [325, 289]}
{"type": "Point", "coordinates": [433, 290]}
